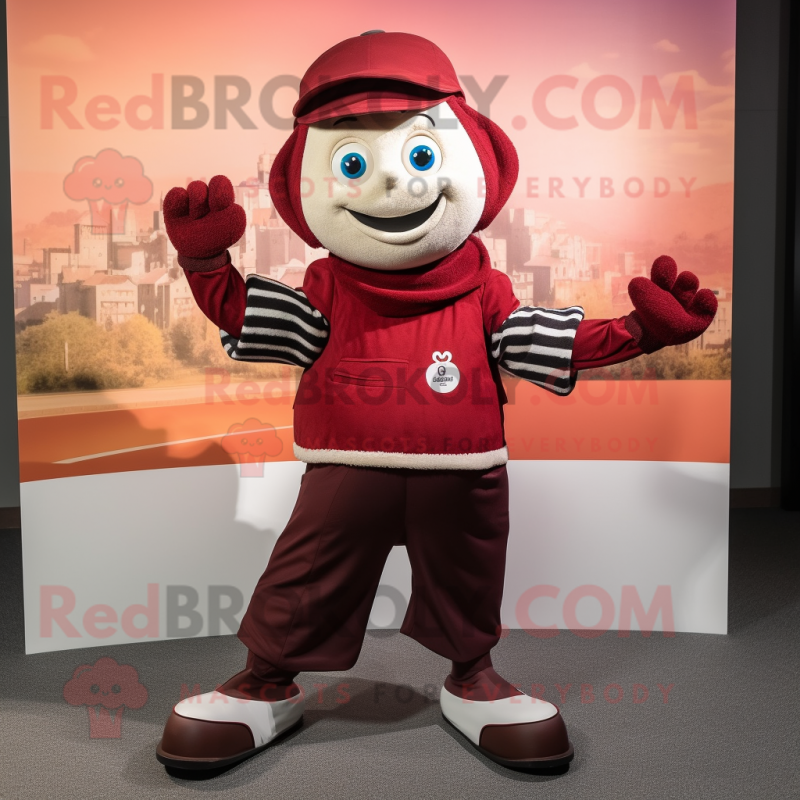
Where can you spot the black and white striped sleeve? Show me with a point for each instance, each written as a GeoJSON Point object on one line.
{"type": "Point", "coordinates": [536, 344]}
{"type": "Point", "coordinates": [280, 324]}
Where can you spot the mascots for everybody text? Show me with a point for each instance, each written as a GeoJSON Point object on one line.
{"type": "Point", "coordinates": [402, 333]}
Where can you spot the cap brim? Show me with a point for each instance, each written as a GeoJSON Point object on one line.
{"type": "Point", "coordinates": [389, 96]}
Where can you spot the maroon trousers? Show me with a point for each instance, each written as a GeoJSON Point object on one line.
{"type": "Point", "coordinates": [310, 609]}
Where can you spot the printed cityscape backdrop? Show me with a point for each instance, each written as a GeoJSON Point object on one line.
{"type": "Point", "coordinates": [625, 136]}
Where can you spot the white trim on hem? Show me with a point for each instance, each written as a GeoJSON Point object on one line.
{"type": "Point", "coordinates": [377, 458]}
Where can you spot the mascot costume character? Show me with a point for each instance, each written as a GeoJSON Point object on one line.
{"type": "Point", "coordinates": [402, 332]}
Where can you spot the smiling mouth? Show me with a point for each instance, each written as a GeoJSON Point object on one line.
{"type": "Point", "coordinates": [397, 224]}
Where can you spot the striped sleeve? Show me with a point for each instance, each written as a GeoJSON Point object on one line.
{"type": "Point", "coordinates": [536, 344]}
{"type": "Point", "coordinates": [279, 325]}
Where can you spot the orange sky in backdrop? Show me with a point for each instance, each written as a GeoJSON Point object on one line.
{"type": "Point", "coordinates": [113, 49]}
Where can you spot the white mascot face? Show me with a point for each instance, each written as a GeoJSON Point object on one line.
{"type": "Point", "coordinates": [394, 190]}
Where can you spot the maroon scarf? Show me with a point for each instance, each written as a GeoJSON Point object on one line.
{"type": "Point", "coordinates": [410, 292]}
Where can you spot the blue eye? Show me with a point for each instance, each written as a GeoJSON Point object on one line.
{"type": "Point", "coordinates": [422, 157]}
{"type": "Point", "coordinates": [351, 164]}
{"type": "Point", "coordinates": [422, 154]}
{"type": "Point", "coordinates": [354, 165]}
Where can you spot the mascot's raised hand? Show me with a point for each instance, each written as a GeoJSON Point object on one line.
{"type": "Point", "coordinates": [203, 221]}
{"type": "Point", "coordinates": [670, 309]}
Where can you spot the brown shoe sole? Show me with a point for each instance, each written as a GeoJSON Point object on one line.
{"type": "Point", "coordinates": [549, 763]}
{"type": "Point", "coordinates": [200, 764]}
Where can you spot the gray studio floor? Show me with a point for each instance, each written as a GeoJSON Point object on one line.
{"type": "Point", "coordinates": [730, 727]}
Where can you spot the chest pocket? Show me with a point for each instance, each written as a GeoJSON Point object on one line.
{"type": "Point", "coordinates": [378, 372]}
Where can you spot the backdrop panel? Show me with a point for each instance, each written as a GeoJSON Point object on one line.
{"type": "Point", "coordinates": [130, 413]}
{"type": "Point", "coordinates": [186, 547]}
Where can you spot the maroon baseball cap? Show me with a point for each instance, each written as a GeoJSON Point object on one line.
{"type": "Point", "coordinates": [375, 72]}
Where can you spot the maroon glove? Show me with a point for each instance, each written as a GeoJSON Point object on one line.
{"type": "Point", "coordinates": [669, 310]}
{"type": "Point", "coordinates": [203, 222]}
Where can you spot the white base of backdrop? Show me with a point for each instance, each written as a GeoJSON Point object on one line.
{"type": "Point", "coordinates": [595, 545]}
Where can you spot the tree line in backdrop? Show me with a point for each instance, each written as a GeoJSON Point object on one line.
{"type": "Point", "coordinates": [130, 354]}
{"type": "Point", "coordinates": [136, 353]}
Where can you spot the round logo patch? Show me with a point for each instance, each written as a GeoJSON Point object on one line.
{"type": "Point", "coordinates": [443, 375]}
